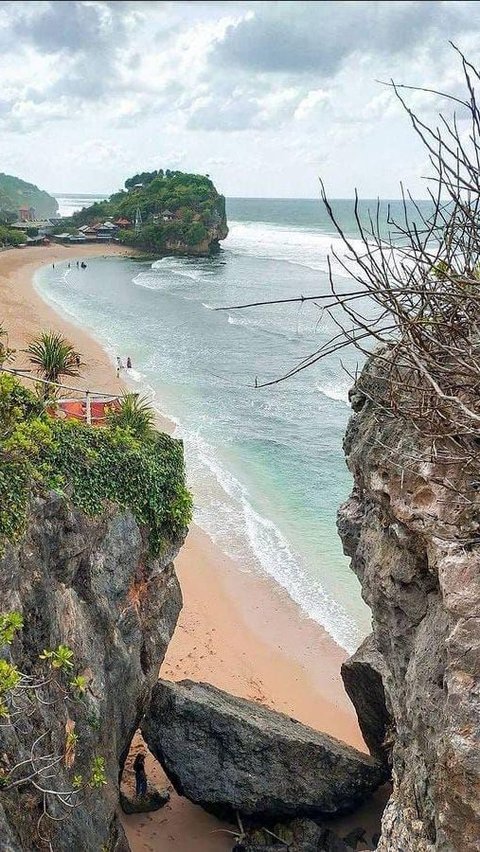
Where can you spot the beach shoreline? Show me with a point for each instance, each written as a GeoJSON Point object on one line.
{"type": "Point", "coordinates": [247, 637]}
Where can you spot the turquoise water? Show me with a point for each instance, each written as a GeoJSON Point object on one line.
{"type": "Point", "coordinates": [266, 465]}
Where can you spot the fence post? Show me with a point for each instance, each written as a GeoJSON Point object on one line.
{"type": "Point", "coordinates": [89, 409]}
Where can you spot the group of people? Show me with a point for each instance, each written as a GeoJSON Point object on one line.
{"type": "Point", "coordinates": [120, 365]}
{"type": "Point", "coordinates": [81, 265]}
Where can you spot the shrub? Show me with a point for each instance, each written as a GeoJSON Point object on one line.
{"type": "Point", "coordinates": [135, 414]}
{"type": "Point", "coordinates": [144, 473]}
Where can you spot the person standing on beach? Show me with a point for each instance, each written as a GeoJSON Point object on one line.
{"type": "Point", "coordinates": [129, 363]}
{"type": "Point", "coordinates": [141, 783]}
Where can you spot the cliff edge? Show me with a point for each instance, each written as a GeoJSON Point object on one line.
{"type": "Point", "coordinates": [90, 521]}
{"type": "Point", "coordinates": [411, 528]}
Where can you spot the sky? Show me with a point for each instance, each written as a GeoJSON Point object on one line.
{"type": "Point", "coordinates": [265, 97]}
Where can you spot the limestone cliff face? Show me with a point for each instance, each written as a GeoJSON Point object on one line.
{"type": "Point", "coordinates": [89, 584]}
{"type": "Point", "coordinates": [411, 527]}
{"type": "Point", "coordinates": [210, 245]}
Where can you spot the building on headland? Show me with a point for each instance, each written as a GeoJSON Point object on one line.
{"type": "Point", "coordinates": [102, 232]}
{"type": "Point", "coordinates": [26, 214]}
{"type": "Point", "coordinates": [167, 216]}
{"type": "Point", "coordinates": [123, 223]}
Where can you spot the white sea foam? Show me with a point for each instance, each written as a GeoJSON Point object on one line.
{"type": "Point", "coordinates": [335, 390]}
{"type": "Point", "coordinates": [226, 513]}
{"type": "Point", "coordinates": [169, 273]}
{"type": "Point", "coordinates": [300, 246]}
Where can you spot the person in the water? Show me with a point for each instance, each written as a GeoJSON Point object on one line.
{"type": "Point", "coordinates": [129, 363]}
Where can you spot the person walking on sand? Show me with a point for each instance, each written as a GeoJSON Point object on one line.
{"type": "Point", "coordinates": [129, 363]}
{"type": "Point", "coordinates": [141, 783]}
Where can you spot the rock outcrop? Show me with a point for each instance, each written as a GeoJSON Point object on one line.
{"type": "Point", "coordinates": [300, 835]}
{"type": "Point", "coordinates": [229, 754]}
{"type": "Point", "coordinates": [89, 584]}
{"type": "Point", "coordinates": [411, 527]}
{"type": "Point", "coordinates": [152, 801]}
{"type": "Point", "coordinates": [362, 676]}
{"type": "Point", "coordinates": [210, 245]}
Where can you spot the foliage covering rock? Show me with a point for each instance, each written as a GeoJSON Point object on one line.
{"type": "Point", "coordinates": [16, 193]}
{"type": "Point", "coordinates": [181, 213]}
{"type": "Point", "coordinates": [93, 466]}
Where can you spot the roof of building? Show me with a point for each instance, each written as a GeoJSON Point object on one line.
{"type": "Point", "coordinates": [33, 223]}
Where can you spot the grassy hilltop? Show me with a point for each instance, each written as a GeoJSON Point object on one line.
{"type": "Point", "coordinates": [16, 193]}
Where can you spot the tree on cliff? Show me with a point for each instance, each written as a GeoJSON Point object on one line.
{"type": "Point", "coordinates": [54, 356]}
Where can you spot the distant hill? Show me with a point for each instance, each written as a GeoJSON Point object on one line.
{"type": "Point", "coordinates": [16, 193]}
{"type": "Point", "coordinates": [176, 213]}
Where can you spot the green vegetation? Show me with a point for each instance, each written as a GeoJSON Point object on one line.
{"type": "Point", "coordinates": [94, 465]}
{"type": "Point", "coordinates": [10, 236]}
{"type": "Point", "coordinates": [25, 767]}
{"type": "Point", "coordinates": [60, 658]}
{"type": "Point", "coordinates": [136, 414]}
{"type": "Point", "coordinates": [98, 775]}
{"type": "Point", "coordinates": [175, 207]}
{"type": "Point", "coordinates": [16, 193]}
{"type": "Point", "coordinates": [53, 356]}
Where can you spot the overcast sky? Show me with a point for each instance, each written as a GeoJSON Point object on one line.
{"type": "Point", "coordinates": [265, 97]}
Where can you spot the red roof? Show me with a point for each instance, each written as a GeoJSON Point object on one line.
{"type": "Point", "coordinates": [122, 222]}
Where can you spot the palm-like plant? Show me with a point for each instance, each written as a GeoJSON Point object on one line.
{"type": "Point", "coordinates": [54, 356]}
{"type": "Point", "coordinates": [136, 414]}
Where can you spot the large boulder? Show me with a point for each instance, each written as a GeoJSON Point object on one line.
{"type": "Point", "coordinates": [152, 801]}
{"type": "Point", "coordinates": [300, 835]}
{"type": "Point", "coordinates": [229, 754]}
{"type": "Point", "coordinates": [362, 677]}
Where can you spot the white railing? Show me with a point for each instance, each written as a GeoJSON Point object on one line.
{"type": "Point", "coordinates": [87, 394]}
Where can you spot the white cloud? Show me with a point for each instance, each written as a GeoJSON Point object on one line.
{"type": "Point", "coordinates": [310, 103]}
{"type": "Point", "coordinates": [239, 89]}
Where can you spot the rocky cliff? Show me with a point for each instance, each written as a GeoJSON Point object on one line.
{"type": "Point", "coordinates": [411, 527]}
{"type": "Point", "coordinates": [209, 245]}
{"type": "Point", "coordinates": [92, 586]}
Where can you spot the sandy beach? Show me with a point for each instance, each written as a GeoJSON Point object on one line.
{"type": "Point", "coordinates": [248, 637]}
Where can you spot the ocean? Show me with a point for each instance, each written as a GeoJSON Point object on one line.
{"type": "Point", "coordinates": [265, 465]}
